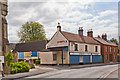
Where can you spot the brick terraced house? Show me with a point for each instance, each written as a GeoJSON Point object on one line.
{"type": "Point", "coordinates": [109, 50]}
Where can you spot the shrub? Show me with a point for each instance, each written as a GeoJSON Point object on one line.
{"type": "Point", "coordinates": [13, 70]}
{"type": "Point", "coordinates": [19, 67]}
{"type": "Point", "coordinates": [9, 58]}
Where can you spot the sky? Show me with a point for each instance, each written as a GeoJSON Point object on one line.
{"type": "Point", "coordinates": [100, 16]}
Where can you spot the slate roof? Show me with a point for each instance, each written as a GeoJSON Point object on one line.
{"type": "Point", "coordinates": [12, 46]}
{"type": "Point", "coordinates": [33, 46]}
{"type": "Point", "coordinates": [77, 38]}
{"type": "Point", "coordinates": [105, 42]}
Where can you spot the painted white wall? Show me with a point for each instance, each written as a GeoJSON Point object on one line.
{"type": "Point", "coordinates": [81, 48]}
{"type": "Point", "coordinates": [57, 37]}
{"type": "Point", "coordinates": [46, 58]}
{"type": "Point", "coordinates": [66, 57]}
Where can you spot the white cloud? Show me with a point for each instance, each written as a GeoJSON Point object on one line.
{"type": "Point", "coordinates": [69, 14]}
{"type": "Point", "coordinates": [107, 13]}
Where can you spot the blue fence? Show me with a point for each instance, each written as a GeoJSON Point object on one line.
{"type": "Point", "coordinates": [96, 58]}
{"type": "Point", "coordinates": [86, 59]}
{"type": "Point", "coordinates": [74, 59]}
{"type": "Point", "coordinates": [21, 55]}
{"type": "Point", "coordinates": [34, 54]}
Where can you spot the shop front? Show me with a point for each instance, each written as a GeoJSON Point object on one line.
{"type": "Point", "coordinates": [76, 58]}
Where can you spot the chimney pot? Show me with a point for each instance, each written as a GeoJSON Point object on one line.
{"type": "Point", "coordinates": [90, 33]}
{"type": "Point", "coordinates": [80, 31]}
{"type": "Point", "coordinates": [104, 36]}
{"type": "Point", "coordinates": [98, 36]}
{"type": "Point", "coordinates": [59, 27]}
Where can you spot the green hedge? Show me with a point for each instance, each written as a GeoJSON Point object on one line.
{"type": "Point", "coordinates": [19, 67]}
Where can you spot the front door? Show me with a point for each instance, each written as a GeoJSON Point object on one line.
{"type": "Point", "coordinates": [81, 59]}
{"type": "Point", "coordinates": [110, 57]}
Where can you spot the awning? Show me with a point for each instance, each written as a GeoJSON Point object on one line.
{"type": "Point", "coordinates": [64, 48]}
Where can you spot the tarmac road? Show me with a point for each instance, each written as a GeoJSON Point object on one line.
{"type": "Point", "coordinates": [88, 72]}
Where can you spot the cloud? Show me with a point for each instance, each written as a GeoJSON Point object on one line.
{"type": "Point", "coordinates": [71, 15]}
{"type": "Point", "coordinates": [107, 13]}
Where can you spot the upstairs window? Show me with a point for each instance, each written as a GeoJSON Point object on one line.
{"type": "Point", "coordinates": [110, 49]}
{"type": "Point", "coordinates": [96, 49]}
{"type": "Point", "coordinates": [106, 49]}
{"type": "Point", "coordinates": [86, 48]}
{"type": "Point", "coordinates": [76, 47]}
{"type": "Point", "coordinates": [114, 50]}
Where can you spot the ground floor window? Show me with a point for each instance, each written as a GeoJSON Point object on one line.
{"type": "Point", "coordinates": [114, 56]}
{"type": "Point", "coordinates": [54, 57]}
{"type": "Point", "coordinates": [106, 56]}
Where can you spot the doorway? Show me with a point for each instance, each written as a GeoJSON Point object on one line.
{"type": "Point", "coordinates": [110, 57]}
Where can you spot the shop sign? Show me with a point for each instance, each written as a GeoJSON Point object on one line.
{"type": "Point", "coordinates": [61, 41]}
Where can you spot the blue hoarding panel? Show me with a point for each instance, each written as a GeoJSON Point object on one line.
{"type": "Point", "coordinates": [34, 54]}
{"type": "Point", "coordinates": [96, 58]}
{"type": "Point", "coordinates": [21, 55]}
{"type": "Point", "coordinates": [86, 59]}
{"type": "Point", "coordinates": [74, 59]}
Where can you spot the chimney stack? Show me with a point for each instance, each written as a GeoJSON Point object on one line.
{"type": "Point", "coordinates": [104, 36]}
{"type": "Point", "coordinates": [98, 36]}
{"type": "Point", "coordinates": [90, 33]}
{"type": "Point", "coordinates": [80, 31]}
{"type": "Point", "coordinates": [59, 27]}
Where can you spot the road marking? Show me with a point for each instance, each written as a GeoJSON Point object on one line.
{"type": "Point", "coordinates": [107, 74]}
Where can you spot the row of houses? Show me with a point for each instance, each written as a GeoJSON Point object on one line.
{"type": "Point", "coordinates": [69, 48]}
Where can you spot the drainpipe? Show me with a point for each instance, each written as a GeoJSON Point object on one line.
{"type": "Point", "coordinates": [69, 51]}
{"type": "Point", "coordinates": [62, 58]}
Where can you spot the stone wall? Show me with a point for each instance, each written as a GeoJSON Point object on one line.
{"type": "Point", "coordinates": [0, 32]}
{"type": "Point", "coordinates": [3, 28]}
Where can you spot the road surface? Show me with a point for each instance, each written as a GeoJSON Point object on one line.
{"type": "Point", "coordinates": [88, 72]}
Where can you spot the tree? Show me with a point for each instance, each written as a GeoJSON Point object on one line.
{"type": "Point", "coordinates": [31, 31]}
{"type": "Point", "coordinates": [9, 58]}
{"type": "Point", "coordinates": [114, 41]}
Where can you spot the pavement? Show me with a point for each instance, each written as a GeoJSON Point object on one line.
{"type": "Point", "coordinates": [32, 72]}
{"type": "Point", "coordinates": [60, 67]}
{"type": "Point", "coordinates": [48, 68]}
